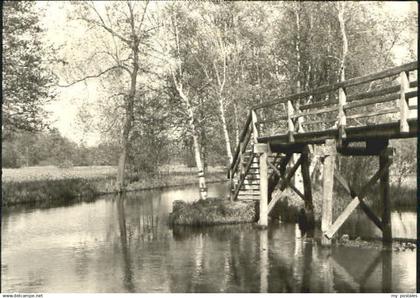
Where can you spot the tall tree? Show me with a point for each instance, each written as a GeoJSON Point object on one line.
{"type": "Point", "coordinates": [121, 35]}
{"type": "Point", "coordinates": [27, 81]}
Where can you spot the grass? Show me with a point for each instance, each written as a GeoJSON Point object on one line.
{"type": "Point", "coordinates": [49, 183]}
{"type": "Point", "coordinates": [51, 173]}
{"type": "Point", "coordinates": [212, 211]}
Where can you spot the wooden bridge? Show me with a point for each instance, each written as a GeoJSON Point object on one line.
{"type": "Point", "coordinates": [356, 117]}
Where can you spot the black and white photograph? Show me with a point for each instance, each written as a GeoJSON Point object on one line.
{"type": "Point", "coordinates": [209, 147]}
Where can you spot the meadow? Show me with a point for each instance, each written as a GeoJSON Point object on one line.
{"type": "Point", "coordinates": [50, 183]}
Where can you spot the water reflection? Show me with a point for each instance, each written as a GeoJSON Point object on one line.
{"type": "Point", "coordinates": [123, 244]}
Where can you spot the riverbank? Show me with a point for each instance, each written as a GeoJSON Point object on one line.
{"type": "Point", "coordinates": [51, 184]}
{"type": "Point", "coordinates": [402, 198]}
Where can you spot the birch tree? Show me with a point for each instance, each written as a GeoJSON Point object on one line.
{"type": "Point", "coordinates": [180, 79]}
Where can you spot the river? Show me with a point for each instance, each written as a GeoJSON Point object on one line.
{"type": "Point", "coordinates": [113, 245]}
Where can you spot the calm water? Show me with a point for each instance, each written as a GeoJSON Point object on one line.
{"type": "Point", "coordinates": [113, 245]}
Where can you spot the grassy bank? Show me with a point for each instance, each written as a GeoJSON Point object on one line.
{"type": "Point", "coordinates": [212, 211]}
{"type": "Point", "coordinates": [46, 184]}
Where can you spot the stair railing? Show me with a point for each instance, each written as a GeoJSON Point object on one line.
{"type": "Point", "coordinates": [240, 166]}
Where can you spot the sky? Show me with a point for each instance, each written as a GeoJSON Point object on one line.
{"type": "Point", "coordinates": [64, 110]}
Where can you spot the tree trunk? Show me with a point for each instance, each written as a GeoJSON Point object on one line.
{"type": "Point", "coordinates": [237, 131]}
{"type": "Point", "coordinates": [129, 113]}
{"type": "Point", "coordinates": [225, 129]}
{"type": "Point", "coordinates": [341, 9]}
{"type": "Point", "coordinates": [196, 144]}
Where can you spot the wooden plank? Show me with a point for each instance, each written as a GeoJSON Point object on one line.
{"type": "Point", "coordinates": [341, 115]}
{"type": "Point", "coordinates": [254, 126]}
{"type": "Point", "coordinates": [319, 104]}
{"type": "Point", "coordinates": [371, 101]}
{"type": "Point", "coordinates": [285, 182]}
{"type": "Point", "coordinates": [371, 215]}
{"type": "Point", "coordinates": [404, 128]}
{"type": "Point", "coordinates": [327, 190]}
{"type": "Point", "coordinates": [411, 94]}
{"type": "Point", "coordinates": [297, 191]}
{"type": "Point", "coordinates": [342, 218]}
{"type": "Point", "coordinates": [246, 126]}
{"type": "Point", "coordinates": [263, 221]}
{"type": "Point", "coordinates": [270, 120]}
{"type": "Point", "coordinates": [315, 112]}
{"type": "Point", "coordinates": [273, 167]}
{"type": "Point", "coordinates": [324, 121]}
{"type": "Point", "coordinates": [373, 93]}
{"type": "Point", "coordinates": [373, 113]}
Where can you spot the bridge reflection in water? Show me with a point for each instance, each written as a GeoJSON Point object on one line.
{"type": "Point", "coordinates": [124, 245]}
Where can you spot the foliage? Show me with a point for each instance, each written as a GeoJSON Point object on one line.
{"type": "Point", "coordinates": [50, 148]}
{"type": "Point", "coordinates": [27, 79]}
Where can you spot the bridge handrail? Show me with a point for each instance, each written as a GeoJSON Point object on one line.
{"type": "Point", "coordinates": [348, 83]}
{"type": "Point", "coordinates": [241, 138]}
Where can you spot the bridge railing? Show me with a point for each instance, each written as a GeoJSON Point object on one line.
{"type": "Point", "coordinates": [381, 97]}
{"type": "Point", "coordinates": [384, 96]}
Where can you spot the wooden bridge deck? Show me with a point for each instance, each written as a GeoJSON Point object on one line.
{"type": "Point", "coordinates": [390, 130]}
{"type": "Point", "coordinates": [372, 109]}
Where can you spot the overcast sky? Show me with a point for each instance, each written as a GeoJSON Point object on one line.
{"type": "Point", "coordinates": [64, 110]}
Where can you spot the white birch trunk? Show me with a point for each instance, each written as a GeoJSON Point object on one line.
{"type": "Point", "coordinates": [196, 144]}
{"type": "Point", "coordinates": [225, 130]}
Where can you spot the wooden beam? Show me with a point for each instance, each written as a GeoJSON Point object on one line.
{"type": "Point", "coordinates": [263, 221]}
{"type": "Point", "coordinates": [370, 214]}
{"type": "Point", "coordinates": [384, 163]}
{"type": "Point", "coordinates": [254, 126]}
{"type": "Point", "coordinates": [341, 116]}
{"type": "Point", "coordinates": [327, 189]}
{"type": "Point", "coordinates": [404, 128]}
{"type": "Point", "coordinates": [355, 202]}
{"type": "Point", "coordinates": [307, 187]}
{"type": "Point", "coordinates": [342, 218]}
{"type": "Point", "coordinates": [371, 101]}
{"type": "Point", "coordinates": [285, 182]}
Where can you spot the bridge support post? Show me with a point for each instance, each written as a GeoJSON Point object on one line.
{"type": "Point", "coordinates": [384, 158]}
{"type": "Point", "coordinates": [307, 187]}
{"type": "Point", "coordinates": [327, 191]}
{"type": "Point", "coordinates": [262, 149]}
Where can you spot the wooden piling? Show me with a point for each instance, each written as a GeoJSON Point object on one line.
{"type": "Point", "coordinates": [384, 159]}
{"type": "Point", "coordinates": [306, 180]}
{"type": "Point", "coordinates": [327, 193]}
{"type": "Point", "coordinates": [262, 150]}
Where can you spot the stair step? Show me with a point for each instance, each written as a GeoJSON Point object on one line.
{"type": "Point", "coordinates": [250, 192]}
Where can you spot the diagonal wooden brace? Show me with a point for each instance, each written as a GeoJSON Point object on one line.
{"type": "Point", "coordinates": [285, 182]}
{"type": "Point", "coordinates": [370, 214]}
{"type": "Point", "coordinates": [355, 202]}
